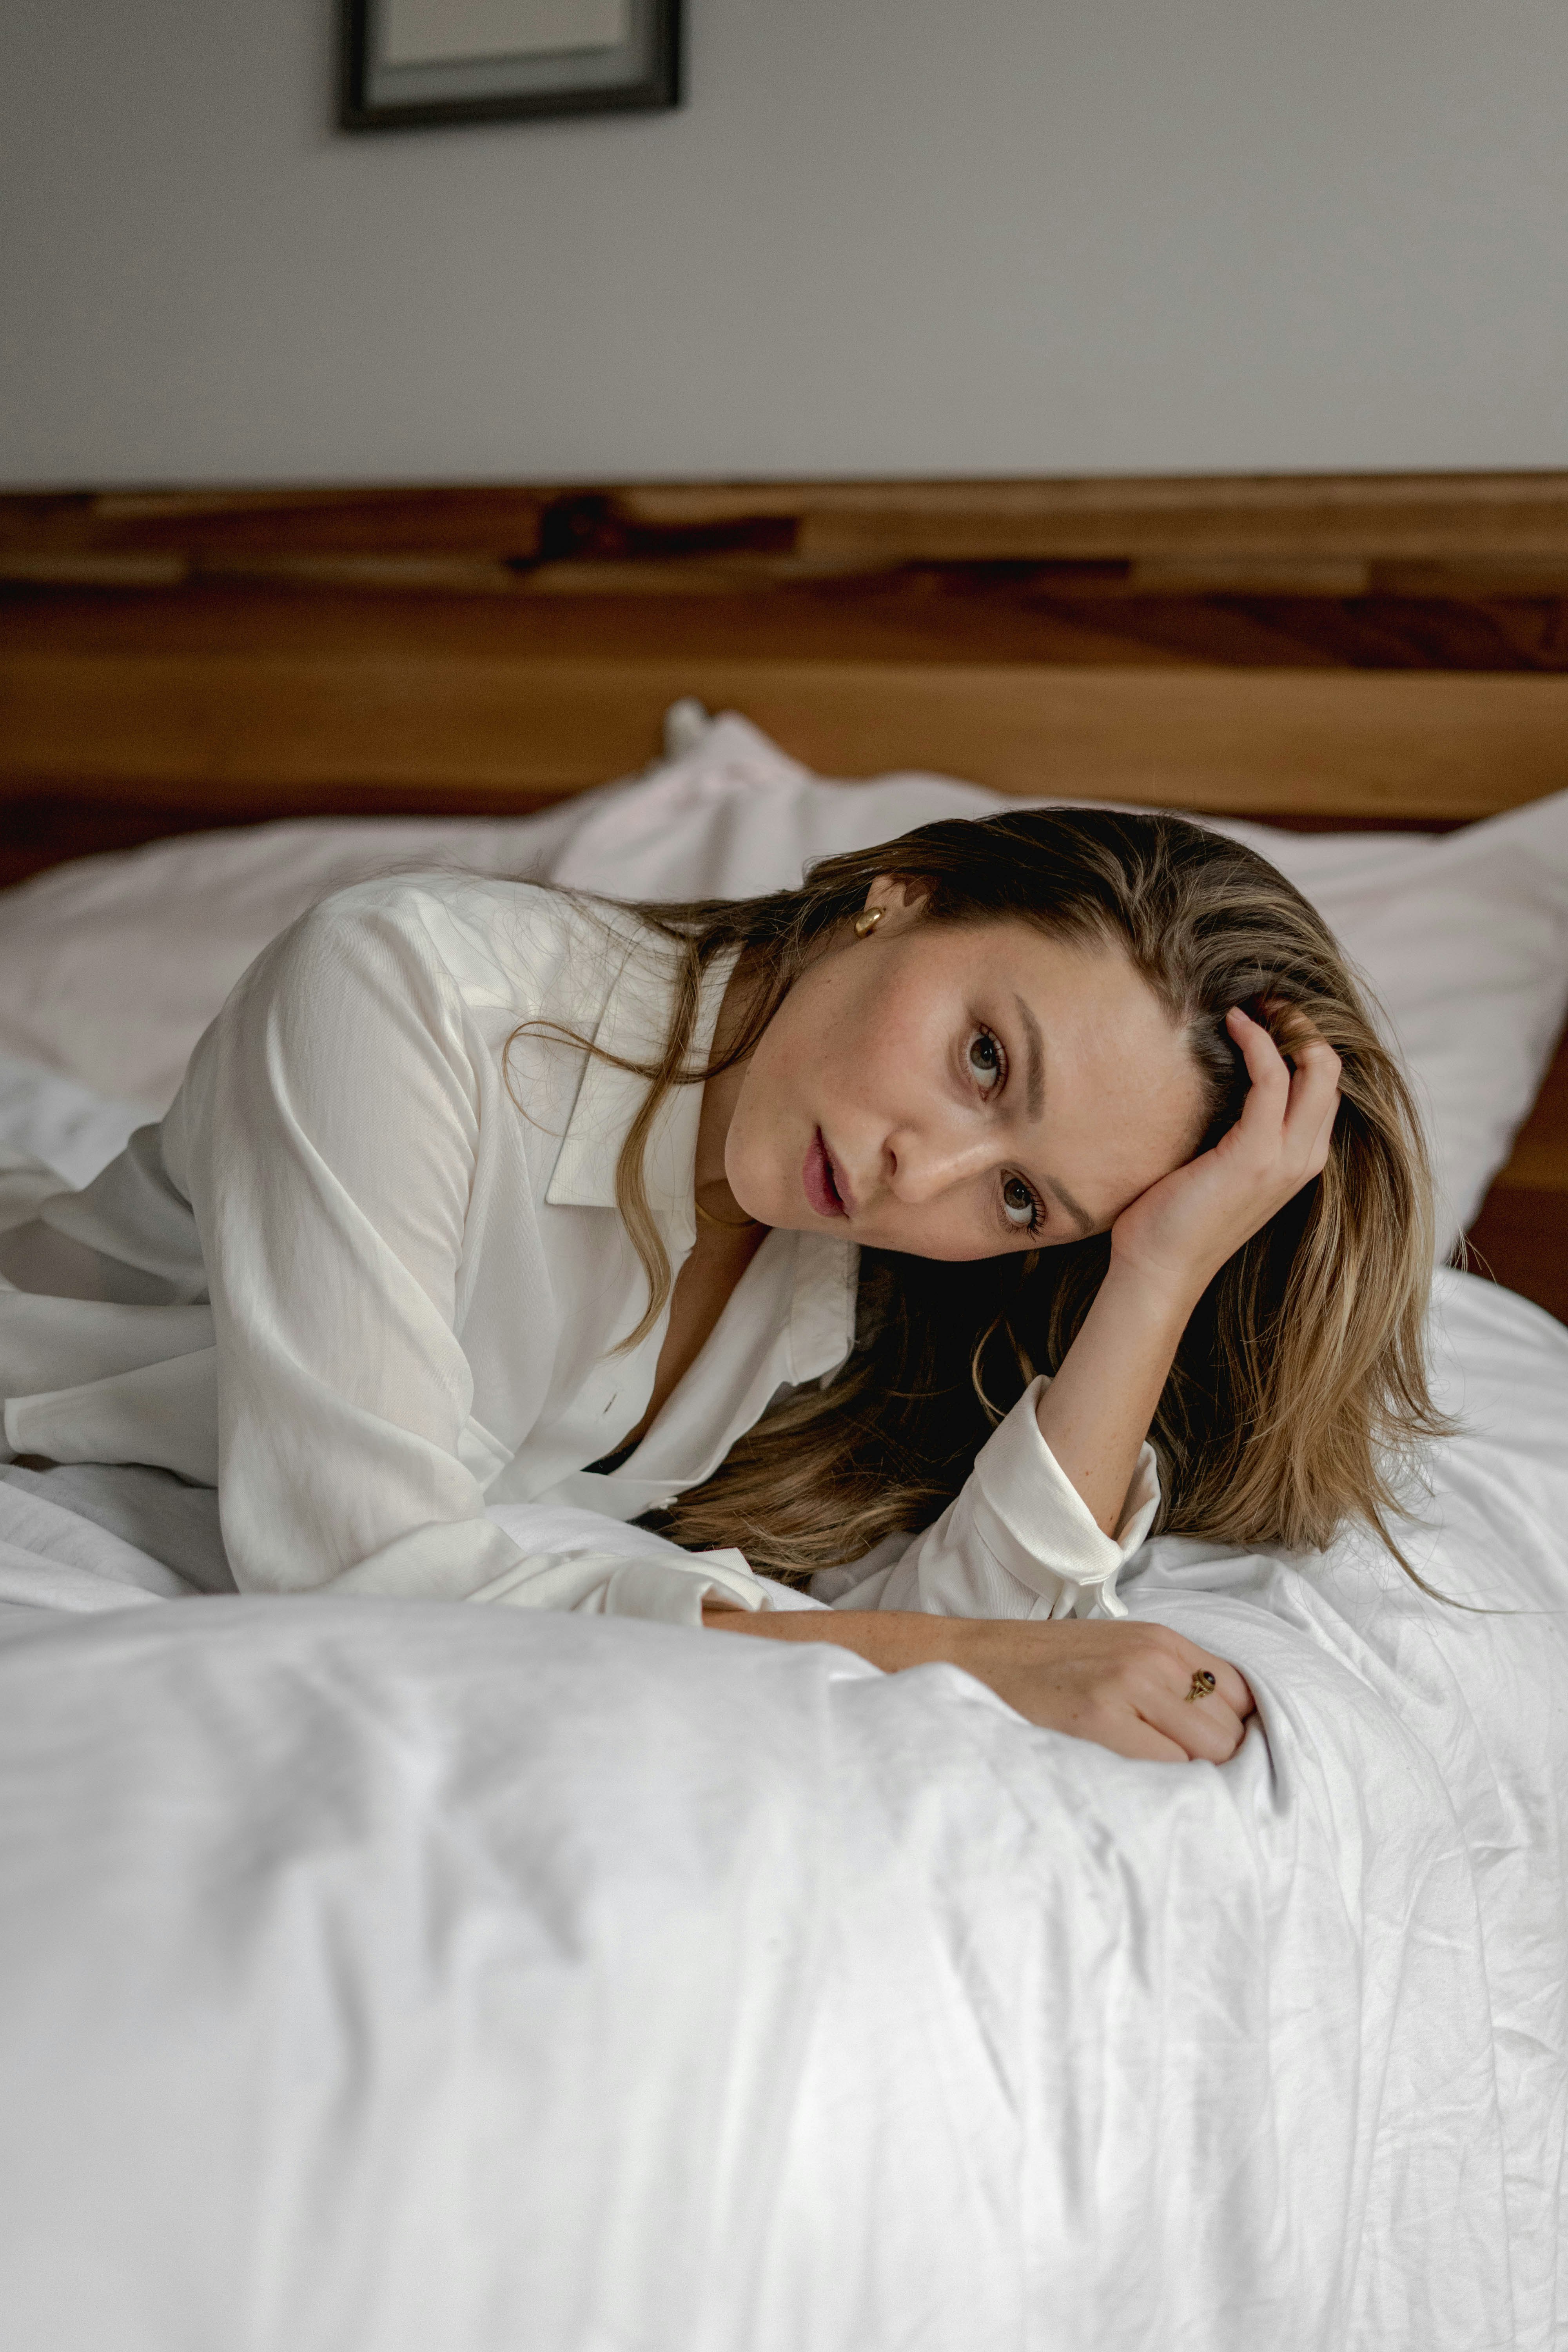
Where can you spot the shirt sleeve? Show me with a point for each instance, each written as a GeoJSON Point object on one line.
{"type": "Point", "coordinates": [606, 1583]}
{"type": "Point", "coordinates": [326, 1137]}
{"type": "Point", "coordinates": [1017, 1540]}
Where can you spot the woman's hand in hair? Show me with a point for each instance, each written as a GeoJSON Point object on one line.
{"type": "Point", "coordinates": [1165, 1249]}
{"type": "Point", "coordinates": [1120, 1685]}
{"type": "Point", "coordinates": [1181, 1231]}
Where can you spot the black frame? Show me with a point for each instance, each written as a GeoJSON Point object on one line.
{"type": "Point", "coordinates": [660, 89]}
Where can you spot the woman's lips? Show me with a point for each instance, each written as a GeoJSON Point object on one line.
{"type": "Point", "coordinates": [823, 1187]}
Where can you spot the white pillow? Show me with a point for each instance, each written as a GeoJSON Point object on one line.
{"type": "Point", "coordinates": [111, 968]}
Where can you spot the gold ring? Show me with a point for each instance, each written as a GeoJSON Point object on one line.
{"type": "Point", "coordinates": [1202, 1683]}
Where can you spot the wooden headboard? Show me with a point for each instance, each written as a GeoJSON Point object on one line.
{"type": "Point", "coordinates": [1357, 649]}
{"type": "Point", "coordinates": [1387, 649]}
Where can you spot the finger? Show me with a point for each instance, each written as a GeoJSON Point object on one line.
{"type": "Point", "coordinates": [1135, 1736]}
{"type": "Point", "coordinates": [1268, 1093]}
{"type": "Point", "coordinates": [1186, 1660]}
{"type": "Point", "coordinates": [1299, 1041]}
{"type": "Point", "coordinates": [1208, 1729]}
{"type": "Point", "coordinates": [1204, 1723]}
{"type": "Point", "coordinates": [1319, 1070]}
{"type": "Point", "coordinates": [1258, 1051]}
{"type": "Point", "coordinates": [1308, 1133]}
{"type": "Point", "coordinates": [1314, 1053]}
{"type": "Point", "coordinates": [1318, 1158]}
{"type": "Point", "coordinates": [1302, 1118]}
{"type": "Point", "coordinates": [1289, 1023]}
{"type": "Point", "coordinates": [1236, 1690]}
{"type": "Point", "coordinates": [1312, 1103]}
{"type": "Point", "coordinates": [1230, 1689]}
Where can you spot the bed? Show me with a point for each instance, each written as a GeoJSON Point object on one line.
{"type": "Point", "coordinates": [376, 1977]}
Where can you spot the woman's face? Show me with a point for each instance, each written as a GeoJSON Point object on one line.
{"type": "Point", "coordinates": [959, 1091]}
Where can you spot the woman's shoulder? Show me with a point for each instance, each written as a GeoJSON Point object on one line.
{"type": "Point", "coordinates": [492, 905]}
{"type": "Point", "coordinates": [519, 943]}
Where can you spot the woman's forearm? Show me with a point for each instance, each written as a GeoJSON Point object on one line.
{"type": "Point", "coordinates": [892, 1639]}
{"type": "Point", "coordinates": [1168, 1244]}
{"type": "Point", "coordinates": [1096, 1413]}
{"type": "Point", "coordinates": [1132, 1688]}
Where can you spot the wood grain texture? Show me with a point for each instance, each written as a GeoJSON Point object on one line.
{"type": "Point", "coordinates": [1336, 529]}
{"type": "Point", "coordinates": [1218, 644]}
{"type": "Point", "coordinates": [1520, 1239]}
{"type": "Point", "coordinates": [1539, 1163]}
{"type": "Point", "coordinates": [1398, 745]}
{"type": "Point", "coordinates": [1052, 614]}
{"type": "Point", "coordinates": [1520, 1236]}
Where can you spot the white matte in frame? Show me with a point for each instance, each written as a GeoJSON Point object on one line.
{"type": "Point", "coordinates": [430, 32]}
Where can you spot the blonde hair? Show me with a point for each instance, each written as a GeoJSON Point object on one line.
{"type": "Point", "coordinates": [1298, 1395]}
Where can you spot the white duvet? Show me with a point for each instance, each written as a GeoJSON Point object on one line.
{"type": "Point", "coordinates": [394, 1978]}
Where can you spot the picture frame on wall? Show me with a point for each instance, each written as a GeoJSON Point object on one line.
{"type": "Point", "coordinates": [406, 64]}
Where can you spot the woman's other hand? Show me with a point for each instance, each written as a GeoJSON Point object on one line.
{"type": "Point", "coordinates": [1181, 1231]}
{"type": "Point", "coordinates": [1123, 1685]}
{"type": "Point", "coordinates": [1126, 1687]}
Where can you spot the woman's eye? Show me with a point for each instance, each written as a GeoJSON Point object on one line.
{"type": "Point", "coordinates": [1019, 1205]}
{"type": "Point", "coordinates": [984, 1058]}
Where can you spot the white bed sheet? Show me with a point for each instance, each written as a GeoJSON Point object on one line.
{"type": "Point", "coordinates": [378, 1976]}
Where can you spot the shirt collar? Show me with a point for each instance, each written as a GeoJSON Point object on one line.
{"type": "Point", "coordinates": [633, 1022]}
{"type": "Point", "coordinates": [822, 1307]}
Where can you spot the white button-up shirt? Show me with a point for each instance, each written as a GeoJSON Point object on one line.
{"type": "Point", "coordinates": [368, 1277]}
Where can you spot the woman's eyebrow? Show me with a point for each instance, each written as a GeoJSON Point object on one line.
{"type": "Point", "coordinates": [1075, 1210]}
{"type": "Point", "coordinates": [1035, 1096]}
{"type": "Point", "coordinates": [1037, 1045]}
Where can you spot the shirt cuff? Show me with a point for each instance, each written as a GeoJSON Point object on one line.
{"type": "Point", "coordinates": [1019, 1540]}
{"type": "Point", "coordinates": [608, 1584]}
{"type": "Point", "coordinates": [26, 1183]}
{"type": "Point", "coordinates": [1032, 1519]}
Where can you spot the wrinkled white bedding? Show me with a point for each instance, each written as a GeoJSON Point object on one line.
{"type": "Point", "coordinates": [389, 1976]}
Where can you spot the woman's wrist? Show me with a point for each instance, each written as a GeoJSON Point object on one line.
{"type": "Point", "coordinates": [1166, 1295]}
{"type": "Point", "coordinates": [1096, 1413]}
{"type": "Point", "coordinates": [892, 1639]}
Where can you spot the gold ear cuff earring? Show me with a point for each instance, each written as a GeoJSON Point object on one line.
{"type": "Point", "coordinates": [867, 922]}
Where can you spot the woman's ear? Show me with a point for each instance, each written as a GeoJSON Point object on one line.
{"type": "Point", "coordinates": [896, 899]}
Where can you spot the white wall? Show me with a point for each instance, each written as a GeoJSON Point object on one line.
{"type": "Point", "coordinates": [884, 235]}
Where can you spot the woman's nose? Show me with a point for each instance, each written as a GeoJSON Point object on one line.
{"type": "Point", "coordinates": [923, 1162]}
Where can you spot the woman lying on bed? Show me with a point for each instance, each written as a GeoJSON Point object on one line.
{"type": "Point", "coordinates": [767, 1221]}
